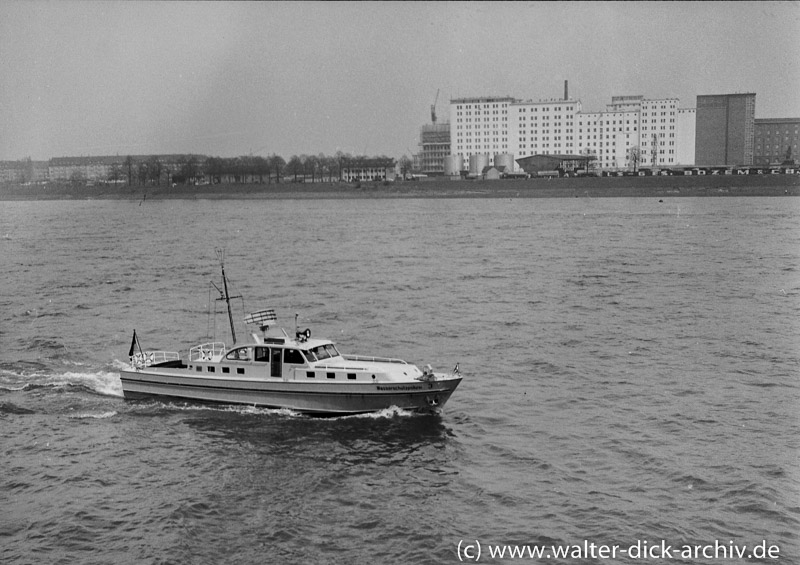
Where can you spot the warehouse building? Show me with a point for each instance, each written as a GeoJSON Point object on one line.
{"type": "Point", "coordinates": [725, 128]}
{"type": "Point", "coordinates": [557, 165]}
{"type": "Point", "coordinates": [776, 140]}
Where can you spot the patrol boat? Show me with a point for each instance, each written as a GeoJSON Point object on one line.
{"type": "Point", "coordinates": [303, 374]}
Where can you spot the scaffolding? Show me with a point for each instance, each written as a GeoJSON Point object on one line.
{"type": "Point", "coordinates": [434, 145]}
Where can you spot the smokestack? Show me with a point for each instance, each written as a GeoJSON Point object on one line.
{"type": "Point", "coordinates": [566, 90]}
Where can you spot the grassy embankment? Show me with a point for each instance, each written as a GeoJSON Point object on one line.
{"type": "Point", "coordinates": [743, 185]}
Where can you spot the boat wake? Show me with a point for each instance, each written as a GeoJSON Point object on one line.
{"type": "Point", "coordinates": [26, 377]}
{"type": "Point", "coordinates": [95, 415]}
{"type": "Point", "coordinates": [386, 413]}
{"type": "Point", "coordinates": [247, 410]}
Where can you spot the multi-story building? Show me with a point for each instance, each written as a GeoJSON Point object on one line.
{"type": "Point", "coordinates": [667, 133]}
{"type": "Point", "coordinates": [776, 140]}
{"type": "Point", "coordinates": [82, 168]}
{"type": "Point", "coordinates": [661, 132]}
{"type": "Point", "coordinates": [103, 168]}
{"type": "Point", "coordinates": [23, 171]}
{"type": "Point", "coordinates": [434, 145]}
{"type": "Point", "coordinates": [725, 128]}
{"type": "Point", "coordinates": [369, 169]}
{"type": "Point", "coordinates": [479, 125]}
{"type": "Point", "coordinates": [543, 127]}
{"type": "Point", "coordinates": [611, 135]}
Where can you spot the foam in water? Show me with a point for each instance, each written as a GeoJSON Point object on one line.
{"type": "Point", "coordinates": [390, 412]}
{"type": "Point", "coordinates": [103, 382]}
{"type": "Point", "coordinates": [95, 415]}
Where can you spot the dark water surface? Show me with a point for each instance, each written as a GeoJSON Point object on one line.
{"type": "Point", "coordinates": [632, 373]}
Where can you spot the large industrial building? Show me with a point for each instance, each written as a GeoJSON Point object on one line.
{"type": "Point", "coordinates": [776, 140]}
{"type": "Point", "coordinates": [659, 130]}
{"type": "Point", "coordinates": [725, 129]}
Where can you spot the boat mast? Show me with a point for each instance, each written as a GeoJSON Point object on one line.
{"type": "Point", "coordinates": [226, 297]}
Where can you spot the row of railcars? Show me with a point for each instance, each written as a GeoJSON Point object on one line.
{"type": "Point", "coordinates": [700, 171]}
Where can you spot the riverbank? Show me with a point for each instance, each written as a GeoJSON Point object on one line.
{"type": "Point", "coordinates": [593, 187]}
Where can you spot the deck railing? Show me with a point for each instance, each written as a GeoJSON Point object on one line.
{"type": "Point", "coordinates": [147, 358]}
{"type": "Point", "coordinates": [207, 352]}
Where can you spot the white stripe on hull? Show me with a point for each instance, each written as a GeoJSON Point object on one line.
{"type": "Point", "coordinates": [305, 397]}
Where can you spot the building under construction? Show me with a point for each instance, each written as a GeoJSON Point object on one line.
{"type": "Point", "coordinates": [434, 146]}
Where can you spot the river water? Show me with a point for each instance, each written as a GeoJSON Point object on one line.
{"type": "Point", "coordinates": [632, 377]}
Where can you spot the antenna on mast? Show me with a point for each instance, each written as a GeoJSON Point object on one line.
{"type": "Point", "coordinates": [226, 296]}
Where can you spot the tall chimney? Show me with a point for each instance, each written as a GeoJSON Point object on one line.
{"type": "Point", "coordinates": [566, 90]}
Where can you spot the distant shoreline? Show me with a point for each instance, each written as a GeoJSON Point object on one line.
{"type": "Point", "coordinates": [621, 187]}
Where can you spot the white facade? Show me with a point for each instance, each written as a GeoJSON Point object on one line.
{"type": "Point", "coordinates": [479, 126]}
{"type": "Point", "coordinates": [543, 127]}
{"type": "Point", "coordinates": [490, 125]}
{"type": "Point", "coordinates": [658, 132]}
{"type": "Point", "coordinates": [685, 130]}
{"type": "Point", "coordinates": [609, 136]}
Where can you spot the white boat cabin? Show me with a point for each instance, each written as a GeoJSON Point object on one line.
{"type": "Point", "coordinates": [293, 360]}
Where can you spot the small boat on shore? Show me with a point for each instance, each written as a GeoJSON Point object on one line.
{"type": "Point", "coordinates": [275, 370]}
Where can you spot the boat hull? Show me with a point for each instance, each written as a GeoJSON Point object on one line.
{"type": "Point", "coordinates": [307, 398]}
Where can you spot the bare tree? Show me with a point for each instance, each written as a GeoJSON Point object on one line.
{"type": "Point", "coordinates": [129, 166]}
{"type": "Point", "coordinates": [295, 165]}
{"type": "Point", "coordinates": [634, 157]}
{"type": "Point", "coordinates": [189, 169]}
{"type": "Point", "coordinates": [115, 174]}
{"type": "Point", "coordinates": [141, 173]}
{"type": "Point", "coordinates": [310, 165]}
{"type": "Point", "coordinates": [77, 178]}
{"type": "Point", "coordinates": [154, 170]}
{"type": "Point", "coordinates": [406, 164]}
{"type": "Point", "coordinates": [277, 163]}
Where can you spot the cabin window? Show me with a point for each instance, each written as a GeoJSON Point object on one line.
{"type": "Point", "coordinates": [211, 369]}
{"type": "Point", "coordinates": [351, 376]}
{"type": "Point", "coordinates": [241, 354]}
{"type": "Point", "coordinates": [240, 370]}
{"type": "Point", "coordinates": [262, 354]}
{"type": "Point", "coordinates": [310, 374]}
{"type": "Point", "coordinates": [331, 375]}
{"type": "Point", "coordinates": [293, 356]}
{"type": "Point", "coordinates": [226, 370]}
{"type": "Point", "coordinates": [199, 368]}
{"type": "Point", "coordinates": [325, 351]}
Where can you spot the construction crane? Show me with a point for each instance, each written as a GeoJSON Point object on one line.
{"type": "Point", "coordinates": [433, 107]}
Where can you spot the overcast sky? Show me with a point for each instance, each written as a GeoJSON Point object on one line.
{"type": "Point", "coordinates": [228, 79]}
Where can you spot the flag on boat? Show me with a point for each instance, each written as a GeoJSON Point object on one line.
{"type": "Point", "coordinates": [133, 344]}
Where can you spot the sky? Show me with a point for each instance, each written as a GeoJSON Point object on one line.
{"type": "Point", "coordinates": [290, 78]}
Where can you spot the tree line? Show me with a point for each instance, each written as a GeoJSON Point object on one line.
{"type": "Point", "coordinates": [249, 168]}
